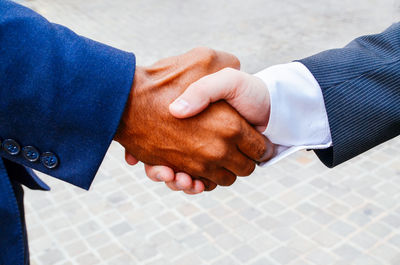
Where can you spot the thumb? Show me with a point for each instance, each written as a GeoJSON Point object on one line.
{"type": "Point", "coordinates": [200, 94]}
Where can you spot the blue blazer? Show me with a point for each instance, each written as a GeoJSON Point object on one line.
{"type": "Point", "coordinates": [61, 99]}
{"type": "Point", "coordinates": [361, 89]}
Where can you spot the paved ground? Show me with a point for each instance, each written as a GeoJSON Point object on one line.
{"type": "Point", "coordinates": [296, 212]}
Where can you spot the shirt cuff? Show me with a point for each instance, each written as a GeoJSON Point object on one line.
{"type": "Point", "coordinates": [298, 118]}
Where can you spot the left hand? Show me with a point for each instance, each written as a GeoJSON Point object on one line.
{"type": "Point", "coordinates": [246, 93]}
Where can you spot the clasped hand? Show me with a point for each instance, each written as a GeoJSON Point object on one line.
{"type": "Point", "coordinates": [201, 145]}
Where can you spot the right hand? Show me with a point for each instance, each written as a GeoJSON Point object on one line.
{"type": "Point", "coordinates": [214, 146]}
{"type": "Point", "coordinates": [246, 93]}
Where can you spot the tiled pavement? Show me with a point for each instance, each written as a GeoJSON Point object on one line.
{"type": "Point", "coordinates": [296, 212]}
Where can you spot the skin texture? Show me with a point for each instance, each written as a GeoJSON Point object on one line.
{"type": "Point", "coordinates": [214, 146]}
{"type": "Point", "coordinates": [246, 93]}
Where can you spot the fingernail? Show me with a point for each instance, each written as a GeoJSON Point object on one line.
{"type": "Point", "coordinates": [158, 176]}
{"type": "Point", "coordinates": [179, 105]}
{"type": "Point", "coordinates": [180, 186]}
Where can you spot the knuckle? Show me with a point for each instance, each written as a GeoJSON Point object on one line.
{"type": "Point", "coordinates": [206, 55]}
{"type": "Point", "coordinates": [269, 153]}
{"type": "Point", "coordinates": [199, 168]}
{"type": "Point", "coordinates": [232, 127]}
{"type": "Point", "coordinates": [227, 180]}
{"type": "Point", "coordinates": [219, 153]}
{"type": "Point", "coordinates": [261, 151]}
{"type": "Point", "coordinates": [248, 169]}
{"type": "Point", "coordinates": [209, 185]}
{"type": "Point", "coordinates": [215, 152]}
{"type": "Point", "coordinates": [208, 52]}
{"type": "Point", "coordinates": [236, 63]}
{"type": "Point", "coordinates": [228, 70]}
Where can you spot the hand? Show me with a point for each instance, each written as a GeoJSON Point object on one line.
{"type": "Point", "coordinates": [215, 146]}
{"type": "Point", "coordinates": [246, 93]}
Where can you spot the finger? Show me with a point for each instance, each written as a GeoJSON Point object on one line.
{"type": "Point", "coordinates": [159, 173]}
{"type": "Point", "coordinates": [183, 181]}
{"type": "Point", "coordinates": [222, 177]}
{"type": "Point", "coordinates": [198, 187]}
{"type": "Point", "coordinates": [239, 164]}
{"type": "Point", "coordinates": [261, 129]}
{"type": "Point", "coordinates": [211, 88]}
{"type": "Point", "coordinates": [172, 186]}
{"type": "Point", "coordinates": [216, 60]}
{"type": "Point", "coordinates": [130, 159]}
{"type": "Point", "coordinates": [208, 184]}
{"type": "Point", "coordinates": [271, 151]}
{"type": "Point", "coordinates": [253, 144]}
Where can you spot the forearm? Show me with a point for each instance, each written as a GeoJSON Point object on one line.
{"type": "Point", "coordinates": [360, 84]}
{"type": "Point", "coordinates": [60, 92]}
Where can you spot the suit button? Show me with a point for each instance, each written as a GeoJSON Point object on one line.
{"type": "Point", "coordinates": [30, 153]}
{"type": "Point", "coordinates": [11, 147]}
{"type": "Point", "coordinates": [49, 160]}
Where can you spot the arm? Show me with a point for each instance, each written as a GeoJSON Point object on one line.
{"type": "Point", "coordinates": [361, 88]}
{"type": "Point", "coordinates": [60, 92]}
{"type": "Point", "coordinates": [358, 85]}
{"type": "Point", "coordinates": [70, 96]}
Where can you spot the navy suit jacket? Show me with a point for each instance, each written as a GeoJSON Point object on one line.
{"type": "Point", "coordinates": [60, 93]}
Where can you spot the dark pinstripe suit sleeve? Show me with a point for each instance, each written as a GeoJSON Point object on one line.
{"type": "Point", "coordinates": [361, 89]}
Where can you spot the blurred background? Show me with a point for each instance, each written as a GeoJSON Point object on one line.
{"type": "Point", "coordinates": [296, 212]}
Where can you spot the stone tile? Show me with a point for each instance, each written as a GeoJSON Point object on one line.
{"type": "Point", "coordinates": [195, 240]}
{"type": "Point", "coordinates": [250, 213]}
{"type": "Point", "coordinates": [264, 243]}
{"type": "Point", "coordinates": [121, 229]}
{"type": "Point", "coordinates": [392, 220]}
{"type": "Point", "coordinates": [144, 252]}
{"type": "Point", "coordinates": [326, 239]}
{"type": "Point", "coordinates": [380, 230]}
{"type": "Point", "coordinates": [228, 242]}
{"type": "Point", "coordinates": [110, 251]}
{"type": "Point", "coordinates": [76, 248]}
{"type": "Point", "coordinates": [89, 259]}
{"type": "Point", "coordinates": [395, 240]}
{"type": "Point", "coordinates": [364, 240]}
{"type": "Point", "coordinates": [320, 256]}
{"type": "Point", "coordinates": [283, 255]}
{"type": "Point", "coordinates": [89, 228]}
{"type": "Point", "coordinates": [244, 253]}
{"type": "Point", "coordinates": [208, 252]}
{"type": "Point", "coordinates": [225, 260]}
{"type": "Point", "coordinates": [98, 240]}
{"type": "Point", "coordinates": [341, 228]}
{"type": "Point", "coordinates": [214, 230]}
{"type": "Point", "coordinates": [263, 261]}
{"type": "Point", "coordinates": [51, 256]}
{"type": "Point", "coordinates": [202, 220]}
{"type": "Point", "coordinates": [347, 252]}
{"type": "Point", "coordinates": [386, 253]}
{"type": "Point", "coordinates": [301, 245]}
{"type": "Point", "coordinates": [308, 227]}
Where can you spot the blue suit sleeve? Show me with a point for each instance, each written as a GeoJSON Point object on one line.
{"type": "Point", "coordinates": [361, 89]}
{"type": "Point", "coordinates": [60, 92]}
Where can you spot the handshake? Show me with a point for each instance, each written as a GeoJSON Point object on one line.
{"type": "Point", "coordinates": [196, 121]}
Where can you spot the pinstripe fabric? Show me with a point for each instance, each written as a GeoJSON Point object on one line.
{"type": "Point", "coordinates": [361, 88]}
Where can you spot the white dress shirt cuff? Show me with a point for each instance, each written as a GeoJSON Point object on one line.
{"type": "Point", "coordinates": [298, 118]}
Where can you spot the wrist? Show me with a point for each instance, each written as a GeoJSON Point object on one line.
{"type": "Point", "coordinates": [265, 105]}
{"type": "Point", "coordinates": [139, 77]}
